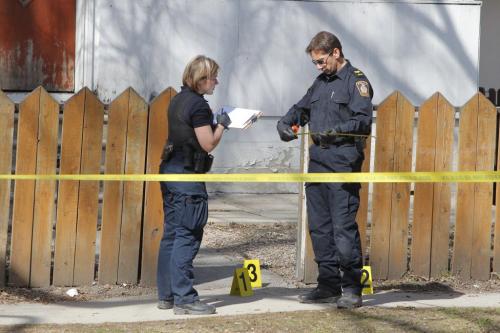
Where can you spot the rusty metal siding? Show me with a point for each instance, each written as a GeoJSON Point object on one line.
{"type": "Point", "coordinates": [37, 44]}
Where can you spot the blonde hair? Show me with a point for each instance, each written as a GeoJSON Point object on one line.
{"type": "Point", "coordinates": [199, 69]}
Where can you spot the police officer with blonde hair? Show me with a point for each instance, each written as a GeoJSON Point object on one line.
{"type": "Point", "coordinates": [192, 136]}
{"type": "Point", "coordinates": [338, 109]}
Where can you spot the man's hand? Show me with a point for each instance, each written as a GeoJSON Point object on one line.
{"type": "Point", "coordinates": [331, 133]}
{"type": "Point", "coordinates": [223, 119]}
{"type": "Point", "coordinates": [324, 138]}
{"type": "Point", "coordinates": [286, 132]}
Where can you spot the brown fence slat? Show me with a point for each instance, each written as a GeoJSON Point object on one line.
{"type": "Point", "coordinates": [393, 153]}
{"type": "Point", "coordinates": [88, 196]}
{"type": "Point", "coordinates": [442, 191]}
{"type": "Point", "coordinates": [44, 212]}
{"type": "Point", "coordinates": [67, 203]}
{"type": "Point", "coordinates": [381, 197]}
{"type": "Point", "coordinates": [362, 215]}
{"type": "Point", "coordinates": [496, 240]}
{"type": "Point", "coordinates": [78, 201]}
{"type": "Point", "coordinates": [432, 201]}
{"type": "Point", "coordinates": [6, 144]}
{"type": "Point", "coordinates": [467, 145]}
{"type": "Point", "coordinates": [476, 148]}
{"type": "Point", "coordinates": [130, 233]}
{"type": "Point", "coordinates": [481, 241]}
{"type": "Point", "coordinates": [113, 190]}
{"type": "Point", "coordinates": [308, 272]}
{"type": "Point", "coordinates": [153, 204]}
{"type": "Point", "coordinates": [24, 190]}
{"type": "Point", "coordinates": [403, 144]}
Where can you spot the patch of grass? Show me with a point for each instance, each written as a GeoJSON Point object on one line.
{"type": "Point", "coordinates": [366, 320]}
{"type": "Point", "coordinates": [487, 319]}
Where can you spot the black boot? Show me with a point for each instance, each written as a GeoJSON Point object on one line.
{"type": "Point", "coordinates": [196, 308]}
{"type": "Point", "coordinates": [165, 304]}
{"type": "Point", "coordinates": [349, 301]}
{"type": "Point", "coordinates": [320, 295]}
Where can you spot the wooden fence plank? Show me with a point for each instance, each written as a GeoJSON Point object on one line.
{"type": "Point", "coordinates": [424, 192]}
{"type": "Point", "coordinates": [400, 207]}
{"type": "Point", "coordinates": [78, 201]}
{"type": "Point", "coordinates": [88, 196]}
{"type": "Point", "coordinates": [24, 190]}
{"type": "Point", "coordinates": [471, 247]}
{"type": "Point", "coordinates": [362, 215]}
{"type": "Point", "coordinates": [130, 236]}
{"type": "Point", "coordinates": [483, 195]}
{"type": "Point", "coordinates": [393, 153]}
{"type": "Point", "coordinates": [462, 245]}
{"type": "Point", "coordinates": [442, 191]}
{"type": "Point", "coordinates": [381, 197]}
{"type": "Point", "coordinates": [67, 203]}
{"type": "Point", "coordinates": [431, 219]}
{"type": "Point", "coordinates": [7, 110]}
{"type": "Point", "coordinates": [153, 203]}
{"type": "Point", "coordinates": [496, 240]}
{"type": "Point", "coordinates": [310, 265]}
{"type": "Point", "coordinates": [44, 210]}
{"type": "Point", "coordinates": [113, 190]}
{"type": "Point", "coordinates": [308, 271]}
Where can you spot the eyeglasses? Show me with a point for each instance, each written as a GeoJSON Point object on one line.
{"type": "Point", "coordinates": [322, 61]}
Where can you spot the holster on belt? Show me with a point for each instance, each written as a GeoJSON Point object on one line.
{"type": "Point", "coordinates": [168, 149]}
{"type": "Point", "coordinates": [196, 160]}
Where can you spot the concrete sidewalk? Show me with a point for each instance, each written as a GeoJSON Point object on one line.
{"type": "Point", "coordinates": [253, 208]}
{"type": "Point", "coordinates": [214, 276]}
{"type": "Point", "coordinates": [214, 273]}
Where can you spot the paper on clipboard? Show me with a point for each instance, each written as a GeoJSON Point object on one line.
{"type": "Point", "coordinates": [240, 117]}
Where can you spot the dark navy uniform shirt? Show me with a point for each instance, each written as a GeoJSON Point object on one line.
{"type": "Point", "coordinates": [187, 110]}
{"type": "Point", "coordinates": [341, 102]}
{"type": "Point", "coordinates": [197, 112]}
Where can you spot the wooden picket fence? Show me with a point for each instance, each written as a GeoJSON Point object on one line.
{"type": "Point", "coordinates": [49, 235]}
{"type": "Point", "coordinates": [396, 242]}
{"type": "Point", "coordinates": [135, 134]}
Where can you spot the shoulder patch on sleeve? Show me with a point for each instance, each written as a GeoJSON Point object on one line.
{"type": "Point", "coordinates": [363, 88]}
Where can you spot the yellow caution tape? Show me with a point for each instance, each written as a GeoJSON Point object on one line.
{"type": "Point", "coordinates": [353, 177]}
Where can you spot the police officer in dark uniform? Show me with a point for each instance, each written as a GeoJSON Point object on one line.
{"type": "Point", "coordinates": [192, 136]}
{"type": "Point", "coordinates": [338, 109]}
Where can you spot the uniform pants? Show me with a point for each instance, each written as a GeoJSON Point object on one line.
{"type": "Point", "coordinates": [185, 210]}
{"type": "Point", "coordinates": [331, 211]}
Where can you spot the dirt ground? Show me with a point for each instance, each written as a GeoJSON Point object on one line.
{"type": "Point", "coordinates": [366, 320]}
{"type": "Point", "coordinates": [273, 244]}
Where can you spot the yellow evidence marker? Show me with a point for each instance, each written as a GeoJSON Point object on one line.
{"type": "Point", "coordinates": [241, 285]}
{"type": "Point", "coordinates": [253, 266]}
{"type": "Point", "coordinates": [366, 280]}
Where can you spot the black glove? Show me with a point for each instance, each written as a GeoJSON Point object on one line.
{"type": "Point", "coordinates": [285, 131]}
{"type": "Point", "coordinates": [223, 119]}
{"type": "Point", "coordinates": [324, 138]}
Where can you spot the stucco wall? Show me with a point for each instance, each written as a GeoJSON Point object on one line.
{"type": "Point", "coordinates": [417, 47]}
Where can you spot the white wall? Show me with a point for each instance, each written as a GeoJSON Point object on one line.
{"type": "Point", "coordinates": [417, 47]}
{"type": "Point", "coordinates": [489, 74]}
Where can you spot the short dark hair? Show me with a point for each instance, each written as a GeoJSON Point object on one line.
{"type": "Point", "coordinates": [324, 41]}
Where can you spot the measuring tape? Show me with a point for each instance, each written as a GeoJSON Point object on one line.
{"type": "Point", "coordinates": [352, 177]}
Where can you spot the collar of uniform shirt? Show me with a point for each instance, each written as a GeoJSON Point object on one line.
{"type": "Point", "coordinates": [344, 70]}
{"type": "Point", "coordinates": [340, 74]}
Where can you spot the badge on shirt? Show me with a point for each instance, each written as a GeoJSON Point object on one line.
{"type": "Point", "coordinates": [363, 88]}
